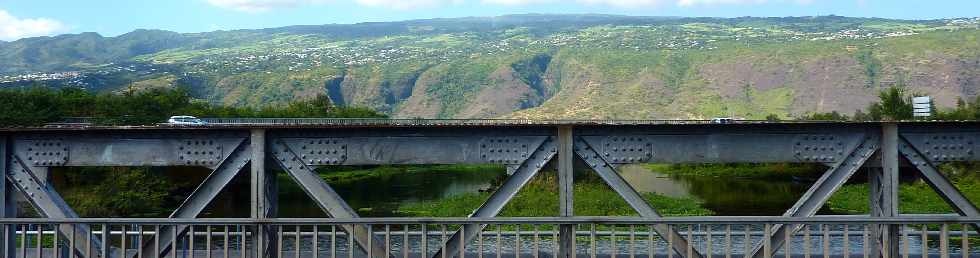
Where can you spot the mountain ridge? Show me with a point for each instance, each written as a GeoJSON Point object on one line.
{"type": "Point", "coordinates": [530, 65]}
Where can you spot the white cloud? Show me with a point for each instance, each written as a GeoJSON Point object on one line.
{"type": "Point", "coordinates": [407, 4]}
{"type": "Point", "coordinates": [256, 6]}
{"type": "Point", "coordinates": [516, 2]}
{"type": "Point", "coordinates": [13, 28]}
{"type": "Point", "coordinates": [625, 3]}
{"type": "Point", "coordinates": [647, 3]}
{"type": "Point", "coordinates": [736, 2]}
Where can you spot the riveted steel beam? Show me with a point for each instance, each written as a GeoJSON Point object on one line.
{"type": "Point", "coordinates": [720, 147]}
{"type": "Point", "coordinates": [200, 198]}
{"type": "Point", "coordinates": [48, 202]}
{"type": "Point", "coordinates": [321, 192]}
{"type": "Point", "coordinates": [170, 150]}
{"type": "Point", "coordinates": [938, 181]}
{"type": "Point", "coordinates": [543, 150]}
{"type": "Point", "coordinates": [597, 161]}
{"type": "Point", "coordinates": [493, 149]}
{"type": "Point", "coordinates": [859, 152]}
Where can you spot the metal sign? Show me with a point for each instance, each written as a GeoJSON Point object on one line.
{"type": "Point", "coordinates": [922, 106]}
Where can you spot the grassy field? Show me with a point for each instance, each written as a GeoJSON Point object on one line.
{"type": "Point", "coordinates": [540, 198]}
{"type": "Point", "coordinates": [742, 170]}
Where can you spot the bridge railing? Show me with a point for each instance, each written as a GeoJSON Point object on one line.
{"type": "Point", "coordinates": [824, 236]}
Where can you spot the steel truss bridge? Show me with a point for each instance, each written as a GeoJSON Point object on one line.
{"type": "Point", "coordinates": [525, 147]}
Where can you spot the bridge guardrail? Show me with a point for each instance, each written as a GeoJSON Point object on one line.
{"type": "Point", "coordinates": [928, 235]}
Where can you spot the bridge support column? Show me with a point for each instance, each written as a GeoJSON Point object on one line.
{"type": "Point", "coordinates": [566, 248]}
{"type": "Point", "coordinates": [8, 207]}
{"type": "Point", "coordinates": [883, 193]}
{"type": "Point", "coordinates": [263, 196]}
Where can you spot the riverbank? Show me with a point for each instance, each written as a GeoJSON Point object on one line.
{"type": "Point", "coordinates": [740, 170]}
{"type": "Point", "coordinates": [915, 197]}
{"type": "Point", "coordinates": [540, 198]}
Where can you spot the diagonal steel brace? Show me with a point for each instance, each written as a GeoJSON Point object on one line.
{"type": "Point", "coordinates": [328, 200]}
{"type": "Point", "coordinates": [198, 200]}
{"type": "Point", "coordinates": [544, 152]}
{"type": "Point", "coordinates": [820, 192]}
{"type": "Point", "coordinates": [938, 182]}
{"type": "Point", "coordinates": [49, 203]}
{"type": "Point", "coordinates": [606, 171]}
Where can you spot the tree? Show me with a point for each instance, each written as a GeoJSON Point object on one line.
{"type": "Point", "coordinates": [773, 118]}
{"type": "Point", "coordinates": [893, 105]}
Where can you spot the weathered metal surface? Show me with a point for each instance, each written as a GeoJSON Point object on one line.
{"type": "Point", "coordinates": [821, 148]}
{"type": "Point", "coordinates": [943, 147]}
{"type": "Point", "coordinates": [566, 200]}
{"type": "Point", "coordinates": [883, 194]}
{"type": "Point", "coordinates": [721, 147]}
{"type": "Point", "coordinates": [109, 151]}
{"type": "Point", "coordinates": [45, 152]}
{"type": "Point", "coordinates": [319, 151]}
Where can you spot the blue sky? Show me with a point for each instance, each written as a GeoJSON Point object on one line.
{"type": "Point", "coordinates": [28, 18]}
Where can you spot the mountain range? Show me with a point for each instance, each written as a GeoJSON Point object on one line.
{"type": "Point", "coordinates": [530, 66]}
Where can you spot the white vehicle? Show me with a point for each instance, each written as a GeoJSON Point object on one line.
{"type": "Point", "coordinates": [185, 120]}
{"type": "Point", "coordinates": [722, 120]}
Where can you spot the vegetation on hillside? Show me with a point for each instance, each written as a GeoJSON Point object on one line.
{"type": "Point", "coordinates": [36, 106]}
{"type": "Point", "coordinates": [110, 191]}
{"type": "Point", "coordinates": [539, 66]}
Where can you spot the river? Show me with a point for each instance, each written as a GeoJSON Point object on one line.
{"type": "Point", "coordinates": [380, 196]}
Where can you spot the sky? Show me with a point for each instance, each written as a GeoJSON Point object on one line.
{"type": "Point", "coordinates": [32, 18]}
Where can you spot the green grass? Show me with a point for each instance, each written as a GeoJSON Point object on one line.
{"type": "Point", "coordinates": [743, 170]}
{"type": "Point", "coordinates": [913, 198]}
{"type": "Point", "coordinates": [340, 175]}
{"type": "Point", "coordinates": [540, 199]}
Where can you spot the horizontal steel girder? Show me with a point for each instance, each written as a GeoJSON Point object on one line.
{"type": "Point", "coordinates": [200, 151]}
{"type": "Point", "coordinates": [506, 150]}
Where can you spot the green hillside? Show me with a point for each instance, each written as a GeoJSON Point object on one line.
{"type": "Point", "coordinates": [531, 66]}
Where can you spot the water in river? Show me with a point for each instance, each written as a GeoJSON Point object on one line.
{"type": "Point", "coordinates": [726, 196]}
{"type": "Point", "coordinates": [380, 196]}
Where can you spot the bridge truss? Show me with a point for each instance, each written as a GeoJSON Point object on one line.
{"type": "Point", "coordinates": [27, 155]}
